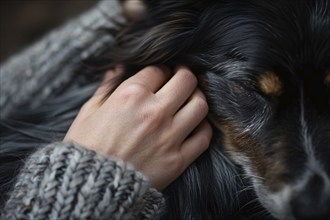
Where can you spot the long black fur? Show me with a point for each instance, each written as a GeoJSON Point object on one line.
{"type": "Point", "coordinates": [216, 39]}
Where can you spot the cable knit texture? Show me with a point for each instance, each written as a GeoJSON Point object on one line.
{"type": "Point", "coordinates": [66, 181]}
{"type": "Point", "coordinates": [50, 63]}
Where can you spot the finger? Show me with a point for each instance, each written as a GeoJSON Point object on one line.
{"type": "Point", "coordinates": [197, 143]}
{"type": "Point", "coordinates": [152, 77]}
{"type": "Point", "coordinates": [191, 114]}
{"type": "Point", "coordinates": [178, 89]}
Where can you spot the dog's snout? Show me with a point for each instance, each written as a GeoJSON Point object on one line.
{"type": "Point", "coordinates": [313, 201]}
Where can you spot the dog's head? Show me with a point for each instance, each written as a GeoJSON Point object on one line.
{"type": "Point", "coordinates": [265, 69]}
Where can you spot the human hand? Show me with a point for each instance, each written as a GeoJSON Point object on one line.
{"type": "Point", "coordinates": [152, 120]}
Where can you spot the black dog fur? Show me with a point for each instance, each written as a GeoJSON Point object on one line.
{"type": "Point", "coordinates": [231, 46]}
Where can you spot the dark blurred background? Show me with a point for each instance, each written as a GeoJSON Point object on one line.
{"type": "Point", "coordinates": [22, 22]}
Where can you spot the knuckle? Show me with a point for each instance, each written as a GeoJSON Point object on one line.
{"type": "Point", "coordinates": [133, 91]}
{"type": "Point", "coordinates": [152, 117]}
{"type": "Point", "coordinates": [136, 88]}
{"type": "Point", "coordinates": [188, 76]}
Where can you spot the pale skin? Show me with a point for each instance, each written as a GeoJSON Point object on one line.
{"type": "Point", "coordinates": [154, 120]}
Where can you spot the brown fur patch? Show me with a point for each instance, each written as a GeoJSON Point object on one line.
{"type": "Point", "coordinates": [327, 79]}
{"type": "Point", "coordinates": [269, 168]}
{"type": "Point", "coordinates": [270, 84]}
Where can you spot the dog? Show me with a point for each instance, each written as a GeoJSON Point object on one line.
{"type": "Point", "coordinates": [264, 67]}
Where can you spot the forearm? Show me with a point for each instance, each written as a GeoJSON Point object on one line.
{"type": "Point", "coordinates": [65, 181]}
{"type": "Point", "coordinates": [51, 62]}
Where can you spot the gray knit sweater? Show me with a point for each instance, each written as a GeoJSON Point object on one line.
{"type": "Point", "coordinates": [66, 181]}
{"type": "Point", "coordinates": [51, 63]}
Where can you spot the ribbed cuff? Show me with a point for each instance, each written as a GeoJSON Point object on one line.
{"type": "Point", "coordinates": [66, 181]}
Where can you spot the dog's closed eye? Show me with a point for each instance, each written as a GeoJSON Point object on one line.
{"type": "Point", "coordinates": [237, 102]}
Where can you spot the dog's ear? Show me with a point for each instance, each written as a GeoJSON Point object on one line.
{"type": "Point", "coordinates": [167, 29]}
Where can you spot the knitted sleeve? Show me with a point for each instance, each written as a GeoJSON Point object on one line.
{"type": "Point", "coordinates": [66, 181]}
{"type": "Point", "coordinates": [51, 62]}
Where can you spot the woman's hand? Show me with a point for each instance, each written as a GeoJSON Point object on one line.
{"type": "Point", "coordinates": [154, 120]}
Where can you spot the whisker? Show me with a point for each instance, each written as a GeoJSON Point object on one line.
{"type": "Point", "coordinates": [244, 190]}
{"type": "Point", "coordinates": [250, 202]}
{"type": "Point", "coordinates": [246, 176]}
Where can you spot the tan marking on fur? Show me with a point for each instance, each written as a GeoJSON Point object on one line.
{"type": "Point", "coordinates": [241, 143]}
{"type": "Point", "coordinates": [271, 169]}
{"type": "Point", "coordinates": [276, 168]}
{"type": "Point", "coordinates": [270, 84]}
{"type": "Point", "coordinates": [327, 79]}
